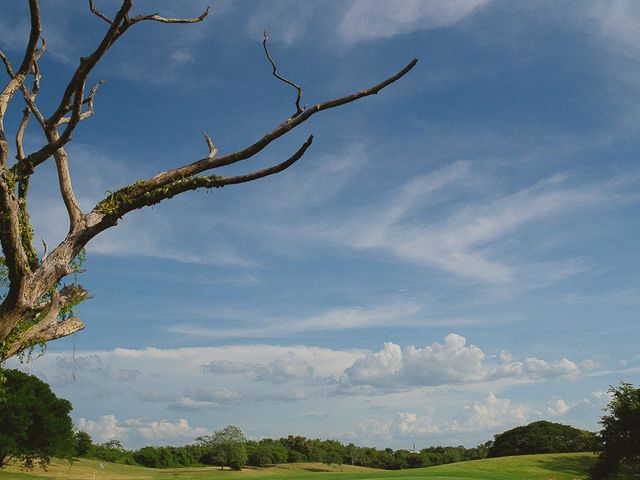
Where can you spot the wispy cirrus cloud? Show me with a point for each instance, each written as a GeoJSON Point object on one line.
{"type": "Point", "coordinates": [360, 20]}
{"type": "Point", "coordinates": [371, 20]}
{"type": "Point", "coordinates": [349, 318]}
{"type": "Point", "coordinates": [469, 241]}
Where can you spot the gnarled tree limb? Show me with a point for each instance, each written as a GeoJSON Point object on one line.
{"type": "Point", "coordinates": [32, 309]}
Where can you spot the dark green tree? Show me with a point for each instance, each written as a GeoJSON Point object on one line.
{"type": "Point", "coordinates": [620, 433]}
{"type": "Point", "coordinates": [542, 437]}
{"type": "Point", "coordinates": [34, 424]}
{"type": "Point", "coordinates": [226, 447]}
{"type": "Point", "coordinates": [83, 443]}
{"type": "Point", "coordinates": [266, 452]}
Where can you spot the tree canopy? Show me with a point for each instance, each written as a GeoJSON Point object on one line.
{"type": "Point", "coordinates": [226, 447]}
{"type": "Point", "coordinates": [34, 424]}
{"type": "Point", "coordinates": [620, 433]}
{"type": "Point", "coordinates": [542, 437]}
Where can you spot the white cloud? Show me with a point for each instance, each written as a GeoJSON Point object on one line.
{"type": "Point", "coordinates": [469, 242]}
{"type": "Point", "coordinates": [336, 319]}
{"type": "Point", "coordinates": [164, 430]}
{"type": "Point", "coordinates": [619, 23]}
{"type": "Point", "coordinates": [374, 19]}
{"type": "Point", "coordinates": [490, 413]}
{"type": "Point", "coordinates": [556, 407]}
{"type": "Point", "coordinates": [448, 363]}
{"type": "Point", "coordinates": [107, 428]}
{"type": "Point", "coordinates": [486, 415]}
{"type": "Point", "coordinates": [161, 432]}
{"type": "Point", "coordinates": [437, 364]}
{"type": "Point", "coordinates": [283, 369]}
{"type": "Point", "coordinates": [410, 424]}
{"type": "Point", "coordinates": [602, 395]}
{"type": "Point", "coordinates": [285, 20]}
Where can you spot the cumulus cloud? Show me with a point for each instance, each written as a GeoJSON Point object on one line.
{"type": "Point", "coordinates": [285, 368]}
{"type": "Point", "coordinates": [108, 427]}
{"type": "Point", "coordinates": [227, 367]}
{"type": "Point", "coordinates": [485, 415]}
{"type": "Point", "coordinates": [556, 407]}
{"type": "Point", "coordinates": [104, 429]}
{"type": "Point", "coordinates": [408, 424]}
{"type": "Point", "coordinates": [450, 362]}
{"type": "Point", "coordinates": [280, 370]}
{"type": "Point", "coordinates": [490, 413]}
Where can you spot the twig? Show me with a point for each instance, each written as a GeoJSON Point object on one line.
{"type": "Point", "coordinates": [7, 63]}
{"type": "Point", "coordinates": [212, 148]}
{"type": "Point", "coordinates": [280, 77]}
{"type": "Point", "coordinates": [98, 13]}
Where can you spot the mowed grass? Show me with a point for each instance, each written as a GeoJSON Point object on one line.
{"type": "Point", "coordinates": [527, 467]}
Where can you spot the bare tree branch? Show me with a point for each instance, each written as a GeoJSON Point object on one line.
{"type": "Point", "coordinates": [20, 133]}
{"type": "Point", "coordinates": [118, 26]}
{"type": "Point", "coordinates": [208, 163]}
{"type": "Point", "coordinates": [64, 180]}
{"type": "Point", "coordinates": [87, 101]}
{"type": "Point", "coordinates": [49, 327]}
{"type": "Point", "coordinates": [118, 204]}
{"type": "Point", "coordinates": [11, 238]}
{"type": "Point", "coordinates": [46, 249]}
{"type": "Point", "coordinates": [29, 57]}
{"type": "Point", "coordinates": [157, 18]}
{"type": "Point", "coordinates": [213, 150]}
{"type": "Point", "coordinates": [7, 64]}
{"type": "Point", "coordinates": [98, 13]}
{"type": "Point", "coordinates": [280, 77]}
{"type": "Point", "coordinates": [30, 312]}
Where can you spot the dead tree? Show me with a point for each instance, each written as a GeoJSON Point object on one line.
{"type": "Point", "coordinates": [36, 308]}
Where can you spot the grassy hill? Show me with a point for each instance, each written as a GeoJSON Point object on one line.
{"type": "Point", "coordinates": [564, 466]}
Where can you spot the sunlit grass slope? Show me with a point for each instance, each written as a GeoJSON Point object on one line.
{"type": "Point", "coordinates": [528, 467]}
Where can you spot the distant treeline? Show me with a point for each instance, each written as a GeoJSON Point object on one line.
{"type": "Point", "coordinates": [293, 449]}
{"type": "Point", "coordinates": [538, 437]}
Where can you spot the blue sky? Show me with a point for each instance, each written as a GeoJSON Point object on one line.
{"type": "Point", "coordinates": [451, 258]}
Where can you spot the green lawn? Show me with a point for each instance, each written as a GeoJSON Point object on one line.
{"type": "Point", "coordinates": [528, 467]}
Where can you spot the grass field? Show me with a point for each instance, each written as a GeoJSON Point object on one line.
{"type": "Point", "coordinates": [528, 467]}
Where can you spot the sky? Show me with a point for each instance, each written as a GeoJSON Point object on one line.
{"type": "Point", "coordinates": [451, 258]}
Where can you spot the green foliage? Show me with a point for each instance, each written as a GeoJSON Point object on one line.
{"type": "Point", "coordinates": [542, 437]}
{"type": "Point", "coordinates": [111, 451]}
{"type": "Point", "coordinates": [83, 443]}
{"type": "Point", "coordinates": [167, 457]}
{"type": "Point", "coordinates": [266, 452]}
{"type": "Point", "coordinates": [226, 447]}
{"type": "Point", "coordinates": [34, 424]}
{"type": "Point", "coordinates": [620, 433]}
